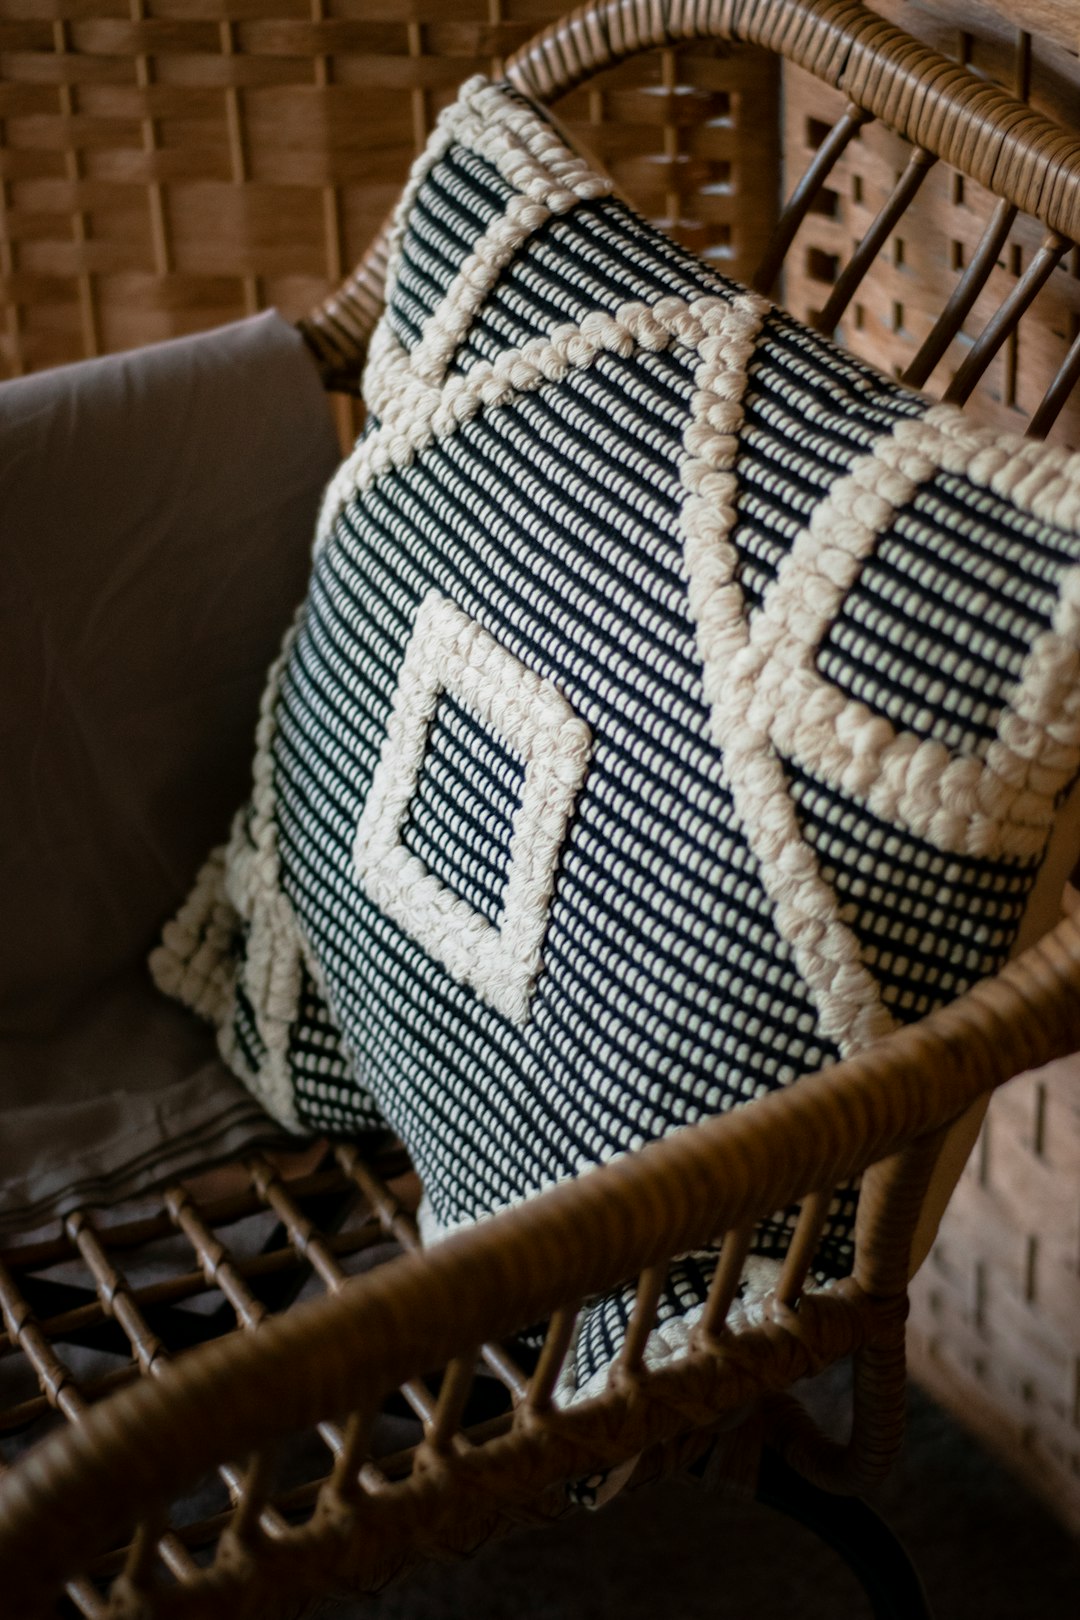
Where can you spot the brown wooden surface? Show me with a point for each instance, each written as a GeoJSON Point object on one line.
{"type": "Point", "coordinates": [1057, 21]}
{"type": "Point", "coordinates": [996, 1310]}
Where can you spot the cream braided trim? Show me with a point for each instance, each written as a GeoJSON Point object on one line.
{"type": "Point", "coordinates": [525, 150]}
{"type": "Point", "coordinates": [1003, 806]}
{"type": "Point", "coordinates": [449, 652]}
{"type": "Point", "coordinates": [448, 325]}
{"type": "Point", "coordinates": [195, 962]}
{"type": "Point", "coordinates": [274, 951]}
{"type": "Point", "coordinates": [826, 952]}
{"type": "Point", "coordinates": [396, 379]}
{"type": "Point", "coordinates": [239, 887]}
{"type": "Point", "coordinates": [417, 413]}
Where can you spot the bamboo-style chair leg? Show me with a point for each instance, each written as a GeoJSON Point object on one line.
{"type": "Point", "coordinates": [871, 1551]}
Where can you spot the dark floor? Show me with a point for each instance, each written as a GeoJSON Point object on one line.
{"type": "Point", "coordinates": [985, 1549]}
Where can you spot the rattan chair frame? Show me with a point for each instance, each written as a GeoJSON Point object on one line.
{"type": "Point", "coordinates": [88, 1510]}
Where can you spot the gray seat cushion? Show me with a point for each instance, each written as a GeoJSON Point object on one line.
{"type": "Point", "coordinates": [156, 513]}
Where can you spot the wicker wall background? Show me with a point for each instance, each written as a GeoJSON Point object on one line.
{"type": "Point", "coordinates": [167, 165]}
{"type": "Point", "coordinates": [913, 276]}
{"type": "Point", "coordinates": [995, 1324]}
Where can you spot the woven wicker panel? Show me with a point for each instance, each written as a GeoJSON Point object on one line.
{"type": "Point", "coordinates": [995, 1329]}
{"type": "Point", "coordinates": [119, 1294]}
{"type": "Point", "coordinates": [912, 278]}
{"type": "Point", "coordinates": [166, 165]}
{"type": "Point", "coordinates": [995, 1326]}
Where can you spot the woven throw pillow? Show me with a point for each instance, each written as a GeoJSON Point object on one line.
{"type": "Point", "coordinates": [678, 705]}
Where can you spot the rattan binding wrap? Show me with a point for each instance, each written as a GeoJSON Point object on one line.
{"type": "Point", "coordinates": [322, 1369]}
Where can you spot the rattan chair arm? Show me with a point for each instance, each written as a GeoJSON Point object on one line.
{"type": "Point", "coordinates": [936, 104]}
{"type": "Point", "coordinates": [585, 1237]}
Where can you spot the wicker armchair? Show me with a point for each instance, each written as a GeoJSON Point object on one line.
{"type": "Point", "coordinates": [92, 1509]}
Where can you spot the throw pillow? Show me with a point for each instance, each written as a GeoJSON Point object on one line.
{"type": "Point", "coordinates": [677, 706]}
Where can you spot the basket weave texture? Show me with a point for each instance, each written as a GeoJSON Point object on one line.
{"type": "Point", "coordinates": [168, 165]}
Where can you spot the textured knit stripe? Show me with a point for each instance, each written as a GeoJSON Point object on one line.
{"type": "Point", "coordinates": [930, 924]}
{"type": "Point", "coordinates": [461, 818]}
{"type": "Point", "coordinates": [461, 197]}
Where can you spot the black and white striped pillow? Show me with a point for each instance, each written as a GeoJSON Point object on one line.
{"type": "Point", "coordinates": [677, 706]}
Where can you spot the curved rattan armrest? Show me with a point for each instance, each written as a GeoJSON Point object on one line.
{"type": "Point", "coordinates": [934, 103]}
{"type": "Point", "coordinates": [153, 1440]}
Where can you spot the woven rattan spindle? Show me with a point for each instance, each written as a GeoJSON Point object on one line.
{"type": "Point", "coordinates": [116, 1298]}
{"type": "Point", "coordinates": [213, 1258]}
{"type": "Point", "coordinates": [322, 74]}
{"type": "Point", "coordinates": [219, 1271]}
{"type": "Point", "coordinates": [79, 226]}
{"type": "Point", "coordinates": [304, 1235]}
{"type": "Point", "coordinates": [650, 1287]}
{"type": "Point", "coordinates": [351, 1470]}
{"type": "Point", "coordinates": [141, 1557]}
{"type": "Point", "coordinates": [59, 1385]}
{"type": "Point", "coordinates": [119, 1302]}
{"type": "Point", "coordinates": [418, 99]}
{"type": "Point", "coordinates": [16, 360]}
{"type": "Point", "coordinates": [899, 200]}
{"type": "Point", "coordinates": [553, 1352]}
{"type": "Point", "coordinates": [669, 79]}
{"type": "Point", "coordinates": [399, 1225]}
{"type": "Point", "coordinates": [237, 153]}
{"type": "Point", "coordinates": [1007, 316]}
{"type": "Point", "coordinates": [26, 1412]}
{"type": "Point", "coordinates": [392, 1216]}
{"type": "Point", "coordinates": [495, 20]}
{"type": "Point", "coordinates": [308, 1243]}
{"type": "Point", "coordinates": [962, 299]}
{"type": "Point", "coordinates": [799, 203]}
{"type": "Point", "coordinates": [445, 1426]}
{"type": "Point", "coordinates": [56, 1381]}
{"type": "Point", "coordinates": [1022, 79]}
{"type": "Point", "coordinates": [159, 236]}
{"type": "Point", "coordinates": [353, 1476]}
{"type": "Point", "coordinates": [725, 1282]}
{"type": "Point", "coordinates": [1053, 401]}
{"type": "Point", "coordinates": [250, 1495]}
{"type": "Point", "coordinates": [803, 1246]}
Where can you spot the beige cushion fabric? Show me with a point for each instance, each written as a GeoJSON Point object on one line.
{"type": "Point", "coordinates": [156, 512]}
